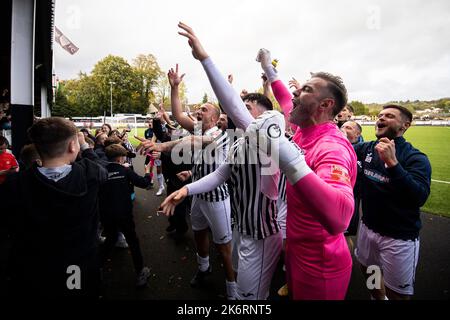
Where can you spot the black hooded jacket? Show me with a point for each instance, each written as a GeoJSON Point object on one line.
{"type": "Point", "coordinates": [53, 226]}
{"type": "Point", "coordinates": [115, 193]}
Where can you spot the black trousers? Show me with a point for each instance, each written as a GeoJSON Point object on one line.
{"type": "Point", "coordinates": [178, 220]}
{"type": "Point", "coordinates": [354, 222]}
{"type": "Point", "coordinates": [111, 229]}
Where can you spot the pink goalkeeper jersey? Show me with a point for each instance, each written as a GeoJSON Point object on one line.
{"type": "Point", "coordinates": [320, 205]}
{"type": "Point", "coordinates": [332, 158]}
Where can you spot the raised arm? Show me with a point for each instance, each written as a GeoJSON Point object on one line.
{"type": "Point", "coordinates": [279, 89]}
{"type": "Point", "coordinates": [164, 114]}
{"type": "Point", "coordinates": [282, 95]}
{"type": "Point", "coordinates": [266, 86]}
{"type": "Point", "coordinates": [229, 99]}
{"type": "Point", "coordinates": [175, 79]}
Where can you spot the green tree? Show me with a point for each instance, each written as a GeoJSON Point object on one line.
{"type": "Point", "coordinates": [359, 108]}
{"type": "Point", "coordinates": [82, 96]}
{"type": "Point", "coordinates": [125, 83]}
{"type": "Point", "coordinates": [77, 97]}
{"type": "Point", "coordinates": [133, 88]}
{"type": "Point", "coordinates": [205, 98]}
{"type": "Point", "coordinates": [148, 73]}
{"type": "Point", "coordinates": [374, 113]}
{"type": "Point", "coordinates": [163, 91]}
{"type": "Point", "coordinates": [447, 106]}
{"type": "Point", "coordinates": [62, 107]}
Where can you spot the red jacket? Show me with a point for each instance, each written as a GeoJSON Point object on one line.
{"type": "Point", "coordinates": [7, 161]}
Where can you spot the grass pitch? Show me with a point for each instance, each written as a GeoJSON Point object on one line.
{"type": "Point", "coordinates": [435, 143]}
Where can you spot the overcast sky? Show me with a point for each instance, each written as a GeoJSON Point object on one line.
{"type": "Point", "coordinates": [384, 50]}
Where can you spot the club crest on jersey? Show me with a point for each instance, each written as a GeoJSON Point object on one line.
{"type": "Point", "coordinates": [369, 157]}
{"type": "Point", "coordinates": [339, 173]}
{"type": "Point", "coordinates": [274, 131]}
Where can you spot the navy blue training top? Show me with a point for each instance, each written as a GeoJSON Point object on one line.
{"type": "Point", "coordinates": [392, 197]}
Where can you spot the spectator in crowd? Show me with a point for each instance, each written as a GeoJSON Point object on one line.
{"type": "Point", "coordinates": [100, 145]}
{"type": "Point", "coordinates": [8, 163]}
{"type": "Point", "coordinates": [149, 162]}
{"type": "Point", "coordinates": [106, 128]}
{"type": "Point", "coordinates": [87, 134]}
{"type": "Point", "coordinates": [61, 210]}
{"type": "Point", "coordinates": [345, 115]}
{"type": "Point", "coordinates": [222, 123]}
{"type": "Point", "coordinates": [29, 156]}
{"type": "Point", "coordinates": [90, 142]}
{"type": "Point", "coordinates": [352, 130]}
{"type": "Point", "coordinates": [116, 208]}
{"type": "Point", "coordinates": [5, 116]}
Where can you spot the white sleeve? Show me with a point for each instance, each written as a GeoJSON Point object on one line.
{"type": "Point", "coordinates": [211, 181]}
{"type": "Point", "coordinates": [287, 155]}
{"type": "Point", "coordinates": [229, 99]}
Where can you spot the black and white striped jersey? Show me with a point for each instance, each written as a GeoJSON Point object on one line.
{"type": "Point", "coordinates": [255, 214]}
{"type": "Point", "coordinates": [282, 183]}
{"type": "Point", "coordinates": [208, 159]}
{"type": "Point", "coordinates": [282, 187]}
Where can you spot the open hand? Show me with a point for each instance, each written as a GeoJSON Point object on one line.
{"type": "Point", "coordinates": [169, 204]}
{"type": "Point", "coordinates": [174, 78]}
{"type": "Point", "coordinates": [197, 49]}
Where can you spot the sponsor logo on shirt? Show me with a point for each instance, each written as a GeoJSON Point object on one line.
{"type": "Point", "coordinates": [339, 173]}
{"type": "Point", "coordinates": [115, 176]}
{"type": "Point", "coordinates": [375, 176]}
{"type": "Point", "coordinates": [274, 131]}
